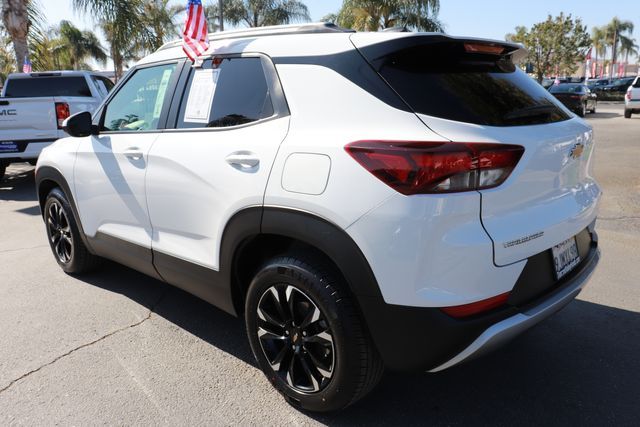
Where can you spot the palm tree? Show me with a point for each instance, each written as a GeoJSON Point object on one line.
{"type": "Point", "coordinates": [614, 31]}
{"type": "Point", "coordinates": [628, 46]}
{"type": "Point", "coordinates": [598, 38]}
{"type": "Point", "coordinates": [15, 16]}
{"type": "Point", "coordinates": [258, 13]}
{"type": "Point", "coordinates": [80, 44]}
{"type": "Point", "coordinates": [373, 15]}
{"type": "Point", "coordinates": [160, 17]}
{"type": "Point", "coordinates": [123, 22]}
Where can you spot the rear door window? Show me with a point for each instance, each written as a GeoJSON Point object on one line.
{"type": "Point", "coordinates": [225, 92]}
{"type": "Point", "coordinates": [441, 79]}
{"type": "Point", "coordinates": [47, 86]}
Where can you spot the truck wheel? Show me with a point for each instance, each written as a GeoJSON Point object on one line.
{"type": "Point", "coordinates": [64, 236]}
{"type": "Point", "coordinates": [627, 114]}
{"type": "Point", "coordinates": [308, 337]}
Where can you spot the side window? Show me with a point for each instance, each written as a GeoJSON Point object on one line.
{"type": "Point", "coordinates": [225, 92]}
{"type": "Point", "coordinates": [103, 84]}
{"type": "Point", "coordinates": [138, 104]}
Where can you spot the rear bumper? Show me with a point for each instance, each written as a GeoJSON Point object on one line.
{"type": "Point", "coordinates": [26, 149]}
{"type": "Point", "coordinates": [634, 104]}
{"type": "Point", "coordinates": [513, 326]}
{"type": "Point", "coordinates": [426, 339]}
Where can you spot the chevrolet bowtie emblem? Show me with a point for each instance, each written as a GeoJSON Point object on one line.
{"type": "Point", "coordinates": [577, 150]}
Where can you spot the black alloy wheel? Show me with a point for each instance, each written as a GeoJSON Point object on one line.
{"type": "Point", "coordinates": [295, 338]}
{"type": "Point", "coordinates": [64, 235]}
{"type": "Point", "coordinates": [307, 335]}
{"type": "Point", "coordinates": [59, 232]}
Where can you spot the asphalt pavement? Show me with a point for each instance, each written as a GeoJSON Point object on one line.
{"type": "Point", "coordinates": [116, 347]}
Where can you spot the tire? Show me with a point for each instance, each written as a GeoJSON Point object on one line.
{"type": "Point", "coordinates": [627, 114]}
{"type": "Point", "coordinates": [593, 110]}
{"type": "Point", "coordinates": [583, 111]}
{"type": "Point", "coordinates": [3, 169]}
{"type": "Point", "coordinates": [326, 361]}
{"type": "Point", "coordinates": [64, 236]}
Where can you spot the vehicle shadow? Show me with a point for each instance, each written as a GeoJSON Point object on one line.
{"type": "Point", "coordinates": [580, 367]}
{"type": "Point", "coordinates": [598, 115]}
{"type": "Point", "coordinates": [18, 184]}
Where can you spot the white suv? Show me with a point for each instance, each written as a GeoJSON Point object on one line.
{"type": "Point", "coordinates": [632, 99]}
{"type": "Point", "coordinates": [363, 200]}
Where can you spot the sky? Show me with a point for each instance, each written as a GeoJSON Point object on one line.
{"type": "Point", "coordinates": [485, 19]}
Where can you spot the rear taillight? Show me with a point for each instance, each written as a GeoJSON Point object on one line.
{"type": "Point", "coordinates": [574, 96]}
{"type": "Point", "coordinates": [62, 112]}
{"type": "Point", "coordinates": [460, 311]}
{"type": "Point", "coordinates": [628, 95]}
{"type": "Point", "coordinates": [436, 167]}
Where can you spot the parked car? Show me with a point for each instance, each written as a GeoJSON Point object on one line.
{"type": "Point", "coordinates": [34, 105]}
{"type": "Point", "coordinates": [618, 85]}
{"type": "Point", "coordinates": [597, 84]}
{"type": "Point", "coordinates": [576, 96]}
{"type": "Point", "coordinates": [356, 223]}
{"type": "Point", "coordinates": [632, 99]}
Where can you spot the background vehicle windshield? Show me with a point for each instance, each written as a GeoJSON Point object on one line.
{"type": "Point", "coordinates": [567, 88]}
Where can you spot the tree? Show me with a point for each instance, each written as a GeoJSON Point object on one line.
{"type": "Point", "coordinates": [598, 39]}
{"type": "Point", "coordinates": [258, 13]}
{"type": "Point", "coordinates": [160, 17]}
{"type": "Point", "coordinates": [15, 17]}
{"type": "Point", "coordinates": [557, 43]}
{"type": "Point", "coordinates": [373, 15]}
{"type": "Point", "coordinates": [123, 22]}
{"type": "Point", "coordinates": [615, 31]}
{"type": "Point", "coordinates": [628, 47]}
{"type": "Point", "coordinates": [80, 45]}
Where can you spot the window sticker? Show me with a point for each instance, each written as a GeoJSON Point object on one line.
{"type": "Point", "coordinates": [203, 88]}
{"type": "Point", "coordinates": [162, 90]}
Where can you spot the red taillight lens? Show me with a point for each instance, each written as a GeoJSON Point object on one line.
{"type": "Point", "coordinates": [628, 95]}
{"type": "Point", "coordinates": [62, 112]}
{"type": "Point", "coordinates": [466, 310]}
{"type": "Point", "coordinates": [574, 96]}
{"type": "Point", "coordinates": [436, 167]}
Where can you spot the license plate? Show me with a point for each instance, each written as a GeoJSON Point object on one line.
{"type": "Point", "coordinates": [565, 257]}
{"type": "Point", "coordinates": [8, 147]}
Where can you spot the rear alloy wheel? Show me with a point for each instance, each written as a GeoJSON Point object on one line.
{"type": "Point", "coordinates": [295, 338]}
{"type": "Point", "coordinates": [307, 336]}
{"type": "Point", "coordinates": [64, 235]}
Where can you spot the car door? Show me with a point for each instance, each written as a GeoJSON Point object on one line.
{"type": "Point", "coordinates": [110, 168]}
{"type": "Point", "coordinates": [229, 124]}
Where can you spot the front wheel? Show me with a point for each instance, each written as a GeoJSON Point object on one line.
{"type": "Point", "coordinates": [308, 337]}
{"type": "Point", "coordinates": [583, 110]}
{"type": "Point", "coordinates": [64, 235]}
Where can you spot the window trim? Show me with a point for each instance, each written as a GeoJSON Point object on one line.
{"type": "Point", "coordinates": [164, 114]}
{"type": "Point", "coordinates": [278, 100]}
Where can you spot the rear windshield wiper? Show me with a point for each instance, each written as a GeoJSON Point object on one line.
{"type": "Point", "coordinates": [535, 110]}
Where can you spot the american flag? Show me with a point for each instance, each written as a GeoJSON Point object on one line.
{"type": "Point", "coordinates": [194, 37]}
{"type": "Point", "coordinates": [26, 67]}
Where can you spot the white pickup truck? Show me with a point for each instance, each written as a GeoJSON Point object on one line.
{"type": "Point", "coordinates": [34, 105]}
{"type": "Point", "coordinates": [632, 99]}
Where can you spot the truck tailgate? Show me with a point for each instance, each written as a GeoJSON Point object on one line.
{"type": "Point", "coordinates": [25, 119]}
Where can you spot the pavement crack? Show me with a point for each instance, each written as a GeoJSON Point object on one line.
{"type": "Point", "coordinates": [89, 344]}
{"type": "Point", "coordinates": [23, 249]}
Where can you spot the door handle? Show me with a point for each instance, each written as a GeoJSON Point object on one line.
{"type": "Point", "coordinates": [133, 153]}
{"type": "Point", "coordinates": [243, 160]}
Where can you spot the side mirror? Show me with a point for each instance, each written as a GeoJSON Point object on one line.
{"type": "Point", "coordinates": [80, 124]}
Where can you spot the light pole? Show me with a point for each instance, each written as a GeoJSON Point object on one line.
{"type": "Point", "coordinates": [220, 15]}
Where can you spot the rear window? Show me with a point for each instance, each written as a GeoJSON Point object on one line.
{"type": "Point", "coordinates": [637, 82]}
{"type": "Point", "coordinates": [440, 79]}
{"type": "Point", "coordinates": [567, 89]}
{"type": "Point", "coordinates": [47, 86]}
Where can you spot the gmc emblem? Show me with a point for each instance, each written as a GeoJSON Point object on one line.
{"type": "Point", "coordinates": [8, 113]}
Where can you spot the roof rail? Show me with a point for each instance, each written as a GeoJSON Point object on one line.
{"type": "Point", "coordinates": [275, 30]}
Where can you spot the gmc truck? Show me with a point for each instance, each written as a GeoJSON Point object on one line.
{"type": "Point", "coordinates": [34, 105]}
